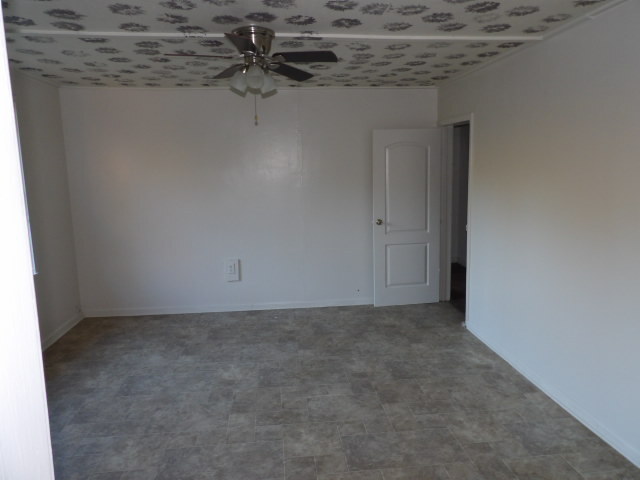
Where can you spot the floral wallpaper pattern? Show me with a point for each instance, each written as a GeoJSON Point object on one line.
{"type": "Point", "coordinates": [112, 43]}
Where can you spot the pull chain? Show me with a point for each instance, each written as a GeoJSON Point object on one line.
{"type": "Point", "coordinates": [255, 109]}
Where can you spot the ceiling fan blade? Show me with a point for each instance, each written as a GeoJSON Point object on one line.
{"type": "Point", "coordinates": [291, 72]}
{"type": "Point", "coordinates": [196, 55]}
{"type": "Point", "coordinates": [242, 44]}
{"type": "Point", "coordinates": [230, 71]}
{"type": "Point", "coordinates": [310, 57]}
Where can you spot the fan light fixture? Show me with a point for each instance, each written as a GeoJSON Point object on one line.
{"type": "Point", "coordinates": [254, 79]}
{"type": "Point", "coordinates": [254, 73]}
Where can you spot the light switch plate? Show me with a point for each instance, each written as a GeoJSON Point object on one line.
{"type": "Point", "coordinates": [232, 269]}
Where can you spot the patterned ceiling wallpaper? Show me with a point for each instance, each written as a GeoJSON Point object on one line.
{"type": "Point", "coordinates": [112, 43]}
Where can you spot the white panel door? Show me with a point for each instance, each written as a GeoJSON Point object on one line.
{"type": "Point", "coordinates": [406, 216]}
{"type": "Point", "coordinates": [25, 441]}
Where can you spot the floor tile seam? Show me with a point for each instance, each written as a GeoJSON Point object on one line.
{"type": "Point", "coordinates": [385, 410]}
{"type": "Point", "coordinates": [425, 392]}
{"type": "Point", "coordinates": [396, 431]}
{"type": "Point", "coordinates": [64, 424]}
{"type": "Point", "coordinates": [100, 470]}
{"type": "Point", "coordinates": [423, 429]}
{"type": "Point", "coordinates": [315, 464]}
{"type": "Point", "coordinates": [446, 472]}
{"type": "Point", "coordinates": [386, 417]}
{"type": "Point", "coordinates": [366, 470]}
{"type": "Point", "coordinates": [536, 456]}
{"type": "Point", "coordinates": [336, 423]}
{"type": "Point", "coordinates": [95, 435]}
{"type": "Point", "coordinates": [134, 436]}
{"type": "Point", "coordinates": [502, 460]}
{"type": "Point", "coordinates": [307, 456]}
{"type": "Point", "coordinates": [281, 423]}
{"type": "Point", "coordinates": [331, 395]}
{"type": "Point", "coordinates": [255, 419]}
{"type": "Point", "coordinates": [457, 440]}
{"type": "Point", "coordinates": [255, 442]}
{"type": "Point", "coordinates": [564, 456]}
{"type": "Point", "coordinates": [344, 450]}
{"type": "Point", "coordinates": [550, 455]}
{"type": "Point", "coordinates": [439, 412]}
{"type": "Point", "coordinates": [284, 460]}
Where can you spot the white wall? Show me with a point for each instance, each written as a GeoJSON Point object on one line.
{"type": "Point", "coordinates": [555, 229]}
{"type": "Point", "coordinates": [25, 445]}
{"type": "Point", "coordinates": [43, 158]}
{"type": "Point", "coordinates": [166, 184]}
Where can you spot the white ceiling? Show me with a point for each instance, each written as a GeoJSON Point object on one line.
{"type": "Point", "coordinates": [404, 43]}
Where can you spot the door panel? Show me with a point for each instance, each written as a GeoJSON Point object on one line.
{"type": "Point", "coordinates": [406, 211]}
{"type": "Point", "coordinates": [407, 170]}
{"type": "Point", "coordinates": [407, 264]}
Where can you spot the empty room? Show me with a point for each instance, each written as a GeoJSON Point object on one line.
{"type": "Point", "coordinates": [320, 240]}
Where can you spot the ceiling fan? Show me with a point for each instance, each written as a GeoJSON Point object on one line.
{"type": "Point", "coordinates": [254, 44]}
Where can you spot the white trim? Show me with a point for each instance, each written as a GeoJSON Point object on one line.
{"type": "Point", "coordinates": [297, 89]}
{"type": "Point", "coordinates": [419, 38]}
{"type": "Point", "coordinates": [468, 292]}
{"type": "Point", "coordinates": [599, 11]}
{"type": "Point", "coordinates": [445, 213]}
{"type": "Point", "coordinates": [466, 118]}
{"type": "Point", "coordinates": [59, 331]}
{"type": "Point", "coordinates": [629, 451]}
{"type": "Point", "coordinates": [333, 36]}
{"type": "Point", "coordinates": [240, 307]}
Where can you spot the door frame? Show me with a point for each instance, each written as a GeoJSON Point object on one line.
{"type": "Point", "coordinates": [446, 191]}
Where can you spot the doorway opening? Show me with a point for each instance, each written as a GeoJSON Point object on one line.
{"type": "Point", "coordinates": [456, 212]}
{"type": "Point", "coordinates": [459, 214]}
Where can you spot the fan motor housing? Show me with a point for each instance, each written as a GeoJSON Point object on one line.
{"type": "Point", "coordinates": [260, 36]}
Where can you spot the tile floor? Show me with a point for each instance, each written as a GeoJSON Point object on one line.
{"type": "Point", "coordinates": [350, 393]}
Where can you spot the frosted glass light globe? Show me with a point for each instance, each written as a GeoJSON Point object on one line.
{"type": "Point", "coordinates": [239, 81]}
{"type": "Point", "coordinates": [269, 84]}
{"type": "Point", "coordinates": [255, 77]}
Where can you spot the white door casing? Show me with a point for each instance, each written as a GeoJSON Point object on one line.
{"type": "Point", "coordinates": [406, 216]}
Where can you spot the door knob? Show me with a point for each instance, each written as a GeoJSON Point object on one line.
{"type": "Point", "coordinates": [379, 221]}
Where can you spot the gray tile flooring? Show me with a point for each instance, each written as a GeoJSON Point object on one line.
{"type": "Point", "coordinates": [350, 393]}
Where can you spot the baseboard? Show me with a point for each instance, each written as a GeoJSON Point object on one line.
{"type": "Point", "coordinates": [132, 312]}
{"type": "Point", "coordinates": [617, 443]}
{"type": "Point", "coordinates": [61, 330]}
